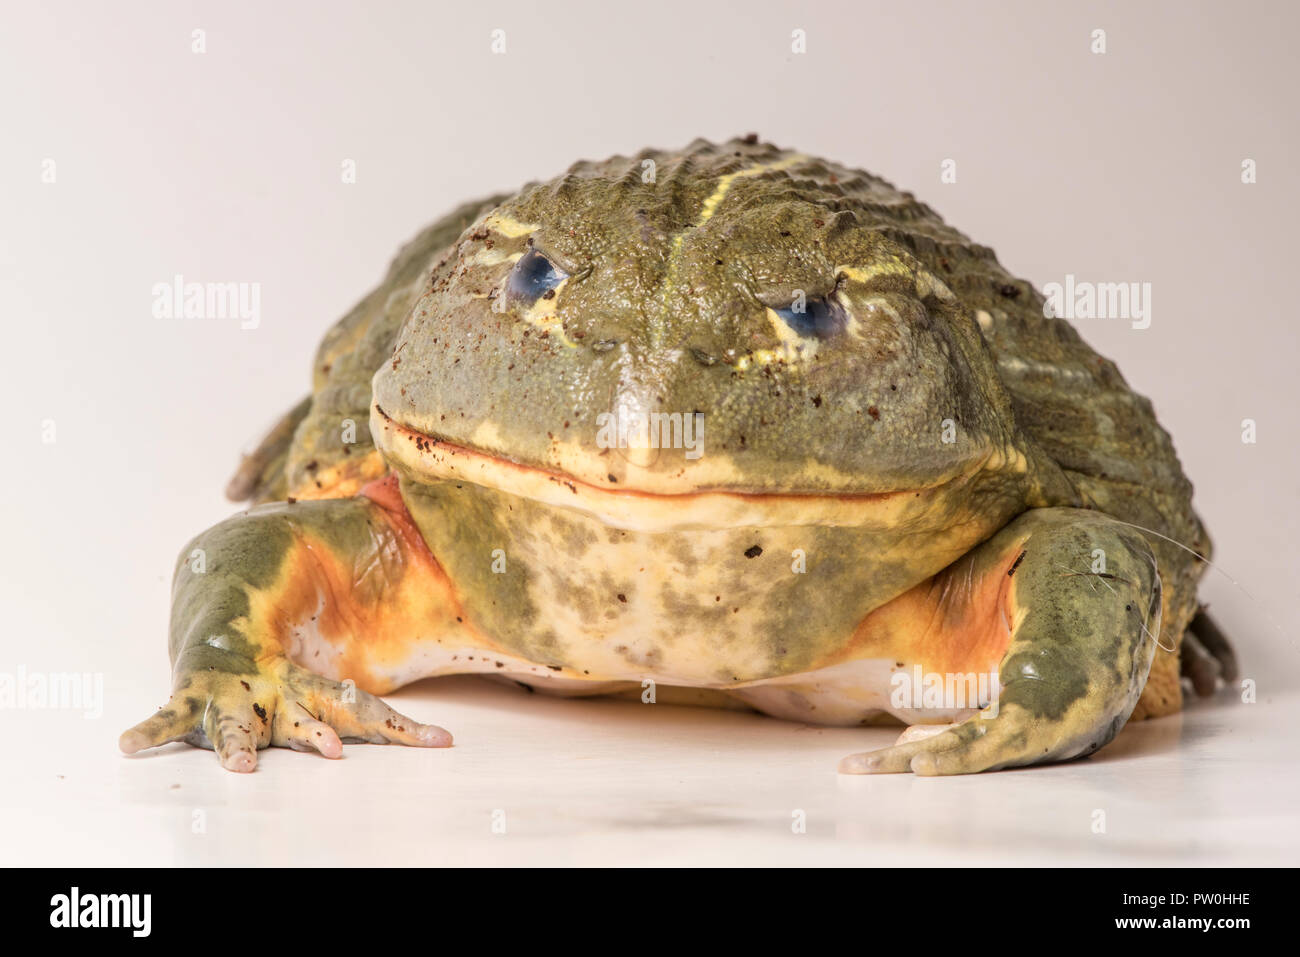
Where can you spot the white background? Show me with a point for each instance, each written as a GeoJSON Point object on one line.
{"type": "Point", "coordinates": [225, 166]}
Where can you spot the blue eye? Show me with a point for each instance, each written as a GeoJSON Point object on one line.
{"type": "Point", "coordinates": [819, 318]}
{"type": "Point", "coordinates": [533, 277]}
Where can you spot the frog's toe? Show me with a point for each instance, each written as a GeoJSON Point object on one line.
{"type": "Point", "coordinates": [308, 734]}
{"type": "Point", "coordinates": [919, 732]}
{"type": "Point", "coordinates": [985, 742]}
{"type": "Point", "coordinates": [1198, 665]}
{"type": "Point", "coordinates": [235, 745]}
{"type": "Point", "coordinates": [1207, 654]}
{"type": "Point", "coordinates": [897, 758]}
{"type": "Point", "coordinates": [361, 716]}
{"type": "Point", "coordinates": [893, 760]}
{"type": "Point", "coordinates": [162, 727]}
{"type": "Point", "coordinates": [913, 751]}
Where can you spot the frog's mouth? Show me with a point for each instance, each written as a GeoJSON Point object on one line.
{"type": "Point", "coordinates": [429, 458]}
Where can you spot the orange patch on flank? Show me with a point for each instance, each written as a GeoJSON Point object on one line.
{"type": "Point", "coordinates": [372, 614]}
{"type": "Point", "coordinates": [957, 622]}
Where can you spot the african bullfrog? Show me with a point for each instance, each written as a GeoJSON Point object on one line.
{"type": "Point", "coordinates": [729, 425]}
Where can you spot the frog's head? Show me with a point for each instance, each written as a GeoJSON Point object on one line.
{"type": "Point", "coordinates": [731, 318]}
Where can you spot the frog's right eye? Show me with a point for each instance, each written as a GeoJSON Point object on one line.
{"type": "Point", "coordinates": [819, 318]}
{"type": "Point", "coordinates": [533, 277]}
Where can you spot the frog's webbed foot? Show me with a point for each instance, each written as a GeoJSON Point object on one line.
{"type": "Point", "coordinates": [263, 574]}
{"type": "Point", "coordinates": [1207, 655]}
{"type": "Point", "coordinates": [236, 712]}
{"type": "Point", "coordinates": [1083, 609]}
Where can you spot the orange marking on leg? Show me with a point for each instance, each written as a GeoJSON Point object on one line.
{"type": "Point", "coordinates": [957, 622]}
{"type": "Point", "coordinates": [364, 616]}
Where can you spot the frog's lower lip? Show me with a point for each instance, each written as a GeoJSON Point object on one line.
{"type": "Point", "coordinates": [434, 459]}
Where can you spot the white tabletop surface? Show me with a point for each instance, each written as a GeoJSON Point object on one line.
{"type": "Point", "coordinates": [621, 783]}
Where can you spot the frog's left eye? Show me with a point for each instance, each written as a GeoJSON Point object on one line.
{"type": "Point", "coordinates": [819, 318]}
{"type": "Point", "coordinates": [533, 277]}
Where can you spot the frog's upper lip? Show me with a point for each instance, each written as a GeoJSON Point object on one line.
{"type": "Point", "coordinates": [435, 459]}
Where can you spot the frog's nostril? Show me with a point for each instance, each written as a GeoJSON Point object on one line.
{"type": "Point", "coordinates": [818, 318]}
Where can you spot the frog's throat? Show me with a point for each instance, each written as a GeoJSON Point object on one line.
{"type": "Point", "coordinates": [429, 459]}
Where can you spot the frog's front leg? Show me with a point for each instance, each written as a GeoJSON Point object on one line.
{"type": "Point", "coordinates": [335, 586]}
{"type": "Point", "coordinates": [1083, 609]}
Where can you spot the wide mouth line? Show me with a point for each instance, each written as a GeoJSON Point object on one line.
{"type": "Point", "coordinates": [424, 442]}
